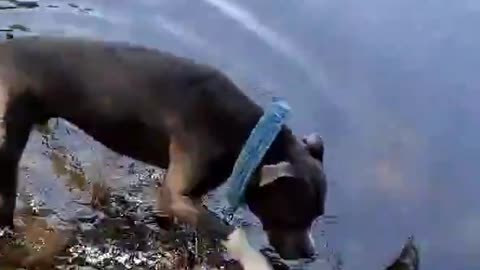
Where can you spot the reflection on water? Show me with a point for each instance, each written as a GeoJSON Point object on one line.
{"type": "Point", "coordinates": [392, 87]}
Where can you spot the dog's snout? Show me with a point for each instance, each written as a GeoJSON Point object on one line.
{"type": "Point", "coordinates": [308, 252]}
{"type": "Point", "coordinates": [293, 245]}
{"type": "Point", "coordinates": [305, 250]}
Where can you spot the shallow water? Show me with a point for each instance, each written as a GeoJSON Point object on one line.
{"type": "Point", "coordinates": [391, 86]}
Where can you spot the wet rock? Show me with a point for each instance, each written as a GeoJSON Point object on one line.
{"type": "Point", "coordinates": [7, 5]}
{"type": "Point", "coordinates": [26, 3]}
{"type": "Point", "coordinates": [86, 216]}
{"type": "Point", "coordinates": [84, 227]}
{"type": "Point", "coordinates": [19, 27]}
{"type": "Point", "coordinates": [409, 257]}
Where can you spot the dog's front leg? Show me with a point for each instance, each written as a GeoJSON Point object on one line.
{"type": "Point", "coordinates": [179, 180]}
{"type": "Point", "coordinates": [8, 186]}
{"type": "Point", "coordinates": [235, 240]}
{"type": "Point", "coordinates": [16, 122]}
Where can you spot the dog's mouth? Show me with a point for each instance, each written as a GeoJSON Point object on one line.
{"type": "Point", "coordinates": [301, 261]}
{"type": "Point", "coordinates": [276, 260]}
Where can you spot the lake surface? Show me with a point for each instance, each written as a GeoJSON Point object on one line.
{"type": "Point", "coordinates": [392, 86]}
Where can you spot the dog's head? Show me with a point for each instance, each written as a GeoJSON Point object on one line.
{"type": "Point", "coordinates": [290, 195]}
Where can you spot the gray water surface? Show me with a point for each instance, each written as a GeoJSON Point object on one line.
{"type": "Point", "coordinates": [392, 86]}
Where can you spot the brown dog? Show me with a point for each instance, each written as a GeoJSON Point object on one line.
{"type": "Point", "coordinates": [167, 111]}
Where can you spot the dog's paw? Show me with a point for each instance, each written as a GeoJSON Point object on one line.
{"type": "Point", "coordinates": [239, 249]}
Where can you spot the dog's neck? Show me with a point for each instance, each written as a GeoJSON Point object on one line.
{"type": "Point", "coordinates": [281, 148]}
{"type": "Point", "coordinates": [279, 152]}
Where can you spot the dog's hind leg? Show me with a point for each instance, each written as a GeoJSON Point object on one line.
{"type": "Point", "coordinates": [17, 120]}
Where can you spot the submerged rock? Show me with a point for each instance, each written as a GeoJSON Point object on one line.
{"type": "Point", "coordinates": [409, 258]}
{"type": "Point", "coordinates": [25, 3]}
{"type": "Point", "coordinates": [7, 5]}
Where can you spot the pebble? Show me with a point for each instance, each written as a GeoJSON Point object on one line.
{"type": "Point", "coordinates": [26, 3]}
{"type": "Point", "coordinates": [7, 5]}
{"type": "Point", "coordinates": [86, 227]}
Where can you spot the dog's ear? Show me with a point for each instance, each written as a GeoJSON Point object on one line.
{"type": "Point", "coordinates": [314, 145]}
{"type": "Point", "coordinates": [270, 173]}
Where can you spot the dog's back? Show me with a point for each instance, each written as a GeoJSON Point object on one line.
{"type": "Point", "coordinates": [117, 86]}
{"type": "Point", "coordinates": [80, 66]}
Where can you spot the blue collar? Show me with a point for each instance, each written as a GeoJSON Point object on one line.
{"type": "Point", "coordinates": [257, 144]}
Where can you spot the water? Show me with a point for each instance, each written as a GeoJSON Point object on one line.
{"type": "Point", "coordinates": [391, 86]}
